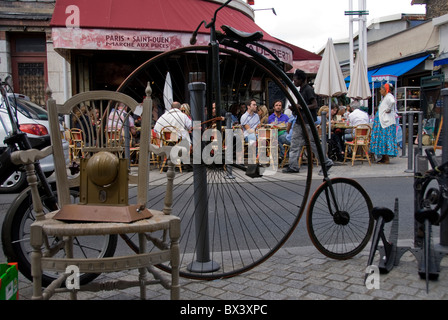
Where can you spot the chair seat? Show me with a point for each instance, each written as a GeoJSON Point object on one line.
{"type": "Point", "coordinates": [53, 227]}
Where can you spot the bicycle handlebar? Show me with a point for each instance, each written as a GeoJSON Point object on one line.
{"type": "Point", "coordinates": [209, 25]}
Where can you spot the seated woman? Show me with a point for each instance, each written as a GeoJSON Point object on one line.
{"type": "Point", "coordinates": [263, 114]}
{"type": "Point", "coordinates": [336, 152]}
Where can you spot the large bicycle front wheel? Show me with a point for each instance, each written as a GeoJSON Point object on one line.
{"type": "Point", "coordinates": [339, 218]}
{"type": "Point", "coordinates": [247, 219]}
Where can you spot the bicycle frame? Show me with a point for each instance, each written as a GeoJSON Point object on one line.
{"type": "Point", "coordinates": [440, 174]}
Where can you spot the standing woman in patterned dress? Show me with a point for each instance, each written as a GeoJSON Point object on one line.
{"type": "Point", "coordinates": [384, 132]}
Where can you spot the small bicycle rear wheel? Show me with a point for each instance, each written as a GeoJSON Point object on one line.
{"type": "Point", "coordinates": [341, 227]}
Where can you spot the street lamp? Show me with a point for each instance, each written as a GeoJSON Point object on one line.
{"type": "Point", "coordinates": [273, 10]}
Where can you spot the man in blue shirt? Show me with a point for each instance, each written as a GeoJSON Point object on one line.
{"type": "Point", "coordinates": [279, 118]}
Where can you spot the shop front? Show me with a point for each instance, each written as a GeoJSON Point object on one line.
{"type": "Point", "coordinates": [105, 41]}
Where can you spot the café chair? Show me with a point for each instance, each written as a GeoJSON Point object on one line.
{"type": "Point", "coordinates": [104, 210]}
{"type": "Point", "coordinates": [77, 142]}
{"type": "Point", "coordinates": [303, 157]}
{"type": "Point", "coordinates": [170, 136]}
{"type": "Point", "coordinates": [359, 145]}
{"type": "Point", "coordinates": [285, 155]}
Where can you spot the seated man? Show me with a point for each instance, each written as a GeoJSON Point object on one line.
{"type": "Point", "coordinates": [356, 117]}
{"type": "Point", "coordinates": [116, 119]}
{"type": "Point", "coordinates": [177, 119]}
{"type": "Point", "coordinates": [250, 121]}
{"type": "Point", "coordinates": [279, 118]}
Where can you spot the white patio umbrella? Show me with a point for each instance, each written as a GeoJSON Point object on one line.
{"type": "Point", "coordinates": [359, 83]}
{"type": "Point", "coordinates": [329, 81]}
{"type": "Point", "coordinates": [168, 92]}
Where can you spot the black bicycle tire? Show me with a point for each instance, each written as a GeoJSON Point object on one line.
{"type": "Point", "coordinates": [313, 220]}
{"type": "Point", "coordinates": [159, 60]}
{"type": "Point", "coordinates": [11, 233]}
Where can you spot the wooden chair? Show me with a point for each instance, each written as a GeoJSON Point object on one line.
{"type": "Point", "coordinates": [264, 144]}
{"type": "Point", "coordinates": [285, 155]}
{"type": "Point", "coordinates": [303, 158]}
{"type": "Point", "coordinates": [170, 136]}
{"type": "Point", "coordinates": [360, 144]}
{"type": "Point", "coordinates": [77, 142]}
{"type": "Point", "coordinates": [104, 209]}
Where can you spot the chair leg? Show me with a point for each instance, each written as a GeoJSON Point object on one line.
{"type": "Point", "coordinates": [345, 153]}
{"type": "Point", "coordinates": [36, 266]}
{"type": "Point", "coordinates": [286, 148]}
{"type": "Point", "coordinates": [163, 165]}
{"type": "Point", "coordinates": [175, 259]}
{"type": "Point", "coordinates": [69, 254]}
{"type": "Point", "coordinates": [354, 151]}
{"type": "Point", "coordinates": [301, 155]}
{"type": "Point", "coordinates": [366, 151]}
{"type": "Point", "coordinates": [143, 272]}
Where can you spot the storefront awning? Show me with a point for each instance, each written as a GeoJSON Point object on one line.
{"type": "Point", "coordinates": [441, 59]}
{"type": "Point", "coordinates": [400, 68]}
{"type": "Point", "coordinates": [391, 71]}
{"type": "Point", "coordinates": [369, 76]}
{"type": "Point", "coordinates": [157, 25]}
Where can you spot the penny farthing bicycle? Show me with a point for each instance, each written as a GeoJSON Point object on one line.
{"type": "Point", "coordinates": [231, 220]}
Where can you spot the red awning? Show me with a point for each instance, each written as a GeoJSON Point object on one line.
{"type": "Point", "coordinates": [161, 15]}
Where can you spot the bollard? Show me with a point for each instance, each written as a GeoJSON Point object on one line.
{"type": "Point", "coordinates": [444, 223]}
{"type": "Point", "coordinates": [410, 142]}
{"type": "Point", "coordinates": [403, 139]}
{"type": "Point", "coordinates": [203, 262]}
{"type": "Point", "coordinates": [420, 135]}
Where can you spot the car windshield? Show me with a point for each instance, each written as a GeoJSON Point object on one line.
{"type": "Point", "coordinates": [29, 109]}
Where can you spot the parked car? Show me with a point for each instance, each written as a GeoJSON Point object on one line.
{"type": "Point", "coordinates": [33, 120]}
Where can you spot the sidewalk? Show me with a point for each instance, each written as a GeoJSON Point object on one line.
{"type": "Point", "coordinates": [300, 272]}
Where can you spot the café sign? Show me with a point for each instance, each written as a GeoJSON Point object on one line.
{"type": "Point", "coordinates": [134, 40]}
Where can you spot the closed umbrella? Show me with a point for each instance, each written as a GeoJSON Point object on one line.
{"type": "Point", "coordinates": [359, 83]}
{"type": "Point", "coordinates": [329, 80]}
{"type": "Point", "coordinates": [168, 92]}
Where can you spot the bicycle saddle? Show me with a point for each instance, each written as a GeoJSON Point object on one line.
{"type": "Point", "coordinates": [386, 213]}
{"type": "Point", "coordinates": [427, 214]}
{"type": "Point", "coordinates": [242, 36]}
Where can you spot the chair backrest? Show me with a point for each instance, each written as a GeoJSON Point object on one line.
{"type": "Point", "coordinates": [90, 112]}
{"type": "Point", "coordinates": [170, 135]}
{"type": "Point", "coordinates": [362, 134]}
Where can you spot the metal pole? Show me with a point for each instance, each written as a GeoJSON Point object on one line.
{"type": "Point", "coordinates": [444, 223]}
{"type": "Point", "coordinates": [420, 126]}
{"type": "Point", "coordinates": [323, 125]}
{"type": "Point", "coordinates": [350, 32]}
{"type": "Point", "coordinates": [229, 146]}
{"type": "Point", "coordinates": [410, 142]}
{"type": "Point", "coordinates": [403, 135]}
{"type": "Point", "coordinates": [203, 262]}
